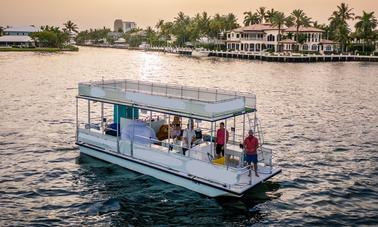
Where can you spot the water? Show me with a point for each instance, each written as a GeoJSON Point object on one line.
{"type": "Point", "coordinates": [321, 119]}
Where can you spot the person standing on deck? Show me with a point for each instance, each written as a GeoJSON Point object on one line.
{"type": "Point", "coordinates": [250, 144]}
{"type": "Point", "coordinates": [188, 136]}
{"type": "Point", "coordinates": [222, 139]}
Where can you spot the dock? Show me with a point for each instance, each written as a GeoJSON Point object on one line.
{"type": "Point", "coordinates": [262, 56]}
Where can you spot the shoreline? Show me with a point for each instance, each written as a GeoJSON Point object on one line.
{"type": "Point", "coordinates": [37, 49]}
{"type": "Point", "coordinates": [261, 56]}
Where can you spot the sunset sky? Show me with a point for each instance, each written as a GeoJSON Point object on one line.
{"type": "Point", "coordinates": [98, 13]}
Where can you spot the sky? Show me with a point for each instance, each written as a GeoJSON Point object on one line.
{"type": "Point", "coordinates": [98, 13]}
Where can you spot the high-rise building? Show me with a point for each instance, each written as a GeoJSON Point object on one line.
{"type": "Point", "coordinates": [123, 26]}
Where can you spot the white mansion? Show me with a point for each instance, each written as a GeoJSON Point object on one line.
{"type": "Point", "coordinates": [259, 37]}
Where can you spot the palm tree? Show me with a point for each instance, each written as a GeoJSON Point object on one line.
{"type": "Point", "coordinates": [339, 23]}
{"type": "Point", "coordinates": [250, 18]}
{"type": "Point", "coordinates": [344, 13]}
{"type": "Point", "coordinates": [306, 21]}
{"type": "Point", "coordinates": [71, 27]}
{"type": "Point", "coordinates": [269, 15]}
{"type": "Point", "coordinates": [204, 24]}
{"type": "Point", "coordinates": [216, 25]}
{"type": "Point", "coordinates": [181, 28]}
{"type": "Point", "coordinates": [159, 24]}
{"type": "Point", "coordinates": [299, 17]}
{"type": "Point", "coordinates": [365, 27]}
{"type": "Point", "coordinates": [231, 22]}
{"type": "Point", "coordinates": [278, 20]}
{"type": "Point", "coordinates": [289, 21]}
{"type": "Point", "coordinates": [262, 14]}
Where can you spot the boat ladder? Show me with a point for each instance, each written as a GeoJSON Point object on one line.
{"type": "Point", "coordinates": [255, 125]}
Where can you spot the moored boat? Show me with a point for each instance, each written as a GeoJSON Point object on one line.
{"type": "Point", "coordinates": [200, 52]}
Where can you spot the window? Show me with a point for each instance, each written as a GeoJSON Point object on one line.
{"type": "Point", "coordinates": [314, 47]}
{"type": "Point", "coordinates": [328, 48]}
{"type": "Point", "coordinates": [237, 36]}
{"type": "Point", "coordinates": [305, 47]}
{"type": "Point", "coordinates": [270, 37]}
{"type": "Point", "coordinates": [228, 35]}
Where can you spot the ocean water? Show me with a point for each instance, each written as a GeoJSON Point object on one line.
{"type": "Point", "coordinates": [320, 118]}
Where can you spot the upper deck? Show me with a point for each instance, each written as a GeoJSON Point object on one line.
{"type": "Point", "coordinates": [194, 102]}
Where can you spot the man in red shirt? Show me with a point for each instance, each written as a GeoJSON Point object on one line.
{"type": "Point", "coordinates": [250, 144]}
{"type": "Point", "coordinates": [221, 139]}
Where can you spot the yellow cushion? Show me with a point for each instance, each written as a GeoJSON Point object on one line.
{"type": "Point", "coordinates": [219, 161]}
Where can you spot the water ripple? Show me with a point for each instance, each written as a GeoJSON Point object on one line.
{"type": "Point", "coordinates": [321, 122]}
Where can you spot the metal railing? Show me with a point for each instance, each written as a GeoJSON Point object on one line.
{"type": "Point", "coordinates": [183, 92]}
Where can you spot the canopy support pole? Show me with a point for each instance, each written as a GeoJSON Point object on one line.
{"type": "Point", "coordinates": [89, 115]}
{"type": "Point", "coordinates": [211, 140]}
{"type": "Point", "coordinates": [226, 157]}
{"type": "Point", "coordinates": [77, 119]}
{"type": "Point", "coordinates": [118, 125]}
{"type": "Point", "coordinates": [169, 132]}
{"type": "Point", "coordinates": [102, 118]}
{"type": "Point", "coordinates": [132, 138]}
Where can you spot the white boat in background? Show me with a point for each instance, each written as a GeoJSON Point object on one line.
{"type": "Point", "coordinates": [200, 52]}
{"type": "Point", "coordinates": [128, 123]}
{"type": "Point", "coordinates": [144, 46]}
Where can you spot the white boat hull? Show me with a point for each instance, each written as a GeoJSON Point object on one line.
{"type": "Point", "coordinates": [200, 53]}
{"type": "Point", "coordinates": [161, 174]}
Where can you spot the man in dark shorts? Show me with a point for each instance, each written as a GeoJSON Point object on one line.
{"type": "Point", "coordinates": [250, 144]}
{"type": "Point", "coordinates": [221, 139]}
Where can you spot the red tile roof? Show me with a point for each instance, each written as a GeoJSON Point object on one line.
{"type": "Point", "coordinates": [265, 27]}
{"type": "Point", "coordinates": [256, 27]}
{"type": "Point", "coordinates": [303, 29]}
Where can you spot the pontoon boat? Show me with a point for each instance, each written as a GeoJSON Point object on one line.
{"type": "Point", "coordinates": [130, 123]}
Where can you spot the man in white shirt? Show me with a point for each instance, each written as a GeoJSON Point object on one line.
{"type": "Point", "coordinates": [188, 136]}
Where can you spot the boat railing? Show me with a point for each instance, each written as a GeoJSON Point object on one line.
{"type": "Point", "coordinates": [184, 92]}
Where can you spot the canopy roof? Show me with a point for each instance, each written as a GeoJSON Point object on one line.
{"type": "Point", "coordinates": [193, 102]}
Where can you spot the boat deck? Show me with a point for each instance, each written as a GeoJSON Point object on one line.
{"type": "Point", "coordinates": [195, 164]}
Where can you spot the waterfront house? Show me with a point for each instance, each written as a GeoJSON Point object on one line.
{"type": "Point", "coordinates": [18, 36]}
{"type": "Point", "coordinates": [260, 37]}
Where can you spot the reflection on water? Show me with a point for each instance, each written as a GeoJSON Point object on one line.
{"type": "Point", "coordinates": [319, 118]}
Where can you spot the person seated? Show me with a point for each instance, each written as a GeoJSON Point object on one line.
{"type": "Point", "coordinates": [176, 128]}
{"type": "Point", "coordinates": [111, 129]}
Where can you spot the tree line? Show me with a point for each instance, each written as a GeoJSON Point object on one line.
{"type": "Point", "coordinates": [184, 29]}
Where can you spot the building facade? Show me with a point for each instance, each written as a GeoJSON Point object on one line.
{"type": "Point", "coordinates": [18, 36]}
{"type": "Point", "coordinates": [123, 26]}
{"type": "Point", "coordinates": [260, 37]}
